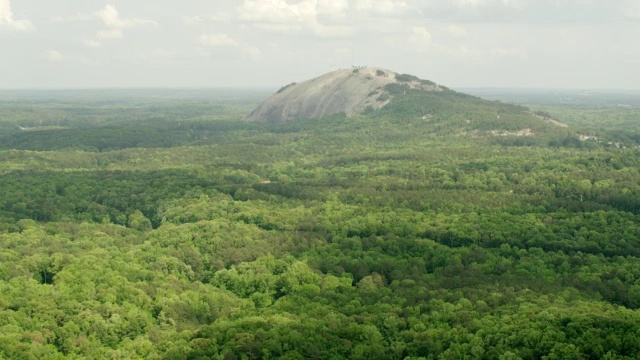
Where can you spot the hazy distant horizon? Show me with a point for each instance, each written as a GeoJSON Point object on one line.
{"type": "Point", "coordinates": [276, 87]}
{"type": "Point", "coordinates": [562, 97]}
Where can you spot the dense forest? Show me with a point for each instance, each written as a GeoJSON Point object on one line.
{"type": "Point", "coordinates": [157, 225]}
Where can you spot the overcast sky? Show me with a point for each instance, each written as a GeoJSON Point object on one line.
{"type": "Point", "coordinates": [256, 43]}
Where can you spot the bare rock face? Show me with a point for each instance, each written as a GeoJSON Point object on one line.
{"type": "Point", "coordinates": [348, 91]}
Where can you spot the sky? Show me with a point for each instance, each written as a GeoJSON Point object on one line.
{"type": "Point", "coordinates": [571, 44]}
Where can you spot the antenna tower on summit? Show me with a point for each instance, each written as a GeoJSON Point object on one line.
{"type": "Point", "coordinates": [352, 64]}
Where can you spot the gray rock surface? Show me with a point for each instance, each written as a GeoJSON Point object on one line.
{"type": "Point", "coordinates": [348, 91]}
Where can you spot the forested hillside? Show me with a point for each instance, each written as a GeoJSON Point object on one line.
{"type": "Point", "coordinates": [165, 228]}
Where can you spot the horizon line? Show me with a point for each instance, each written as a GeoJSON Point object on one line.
{"type": "Point", "coordinates": [276, 87]}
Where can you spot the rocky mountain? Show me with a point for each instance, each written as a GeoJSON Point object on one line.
{"type": "Point", "coordinates": [348, 91]}
{"type": "Point", "coordinates": [386, 95]}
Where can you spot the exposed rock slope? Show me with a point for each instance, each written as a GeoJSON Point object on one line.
{"type": "Point", "coordinates": [348, 91]}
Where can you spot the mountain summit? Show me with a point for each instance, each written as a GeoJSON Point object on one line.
{"type": "Point", "coordinates": [348, 91]}
{"type": "Point", "coordinates": [402, 98]}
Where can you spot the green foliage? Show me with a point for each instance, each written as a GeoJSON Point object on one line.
{"type": "Point", "coordinates": [607, 118]}
{"type": "Point", "coordinates": [413, 78]}
{"type": "Point", "coordinates": [138, 221]}
{"type": "Point", "coordinates": [379, 236]}
{"type": "Point", "coordinates": [406, 78]}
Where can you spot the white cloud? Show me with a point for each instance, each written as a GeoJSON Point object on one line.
{"type": "Point", "coordinates": [329, 31]}
{"type": "Point", "coordinates": [193, 20]}
{"type": "Point", "coordinates": [382, 7]}
{"type": "Point", "coordinates": [280, 28]}
{"type": "Point", "coordinates": [113, 22]}
{"type": "Point", "coordinates": [529, 11]}
{"type": "Point", "coordinates": [53, 56]}
{"type": "Point", "coordinates": [74, 17]}
{"type": "Point", "coordinates": [487, 3]}
{"type": "Point", "coordinates": [7, 21]}
{"type": "Point", "coordinates": [280, 16]}
{"type": "Point", "coordinates": [224, 40]}
{"type": "Point", "coordinates": [200, 19]}
{"type": "Point", "coordinates": [217, 40]}
{"type": "Point", "coordinates": [333, 8]}
{"type": "Point", "coordinates": [421, 33]}
{"type": "Point", "coordinates": [276, 11]}
{"type": "Point", "coordinates": [109, 34]}
{"type": "Point", "coordinates": [90, 43]}
{"type": "Point", "coordinates": [251, 52]}
{"type": "Point", "coordinates": [419, 38]}
{"type": "Point", "coordinates": [110, 17]}
{"type": "Point", "coordinates": [456, 30]}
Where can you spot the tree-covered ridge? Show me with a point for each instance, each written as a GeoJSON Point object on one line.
{"type": "Point", "coordinates": [101, 126]}
{"type": "Point", "coordinates": [374, 237]}
{"type": "Point", "coordinates": [606, 117]}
